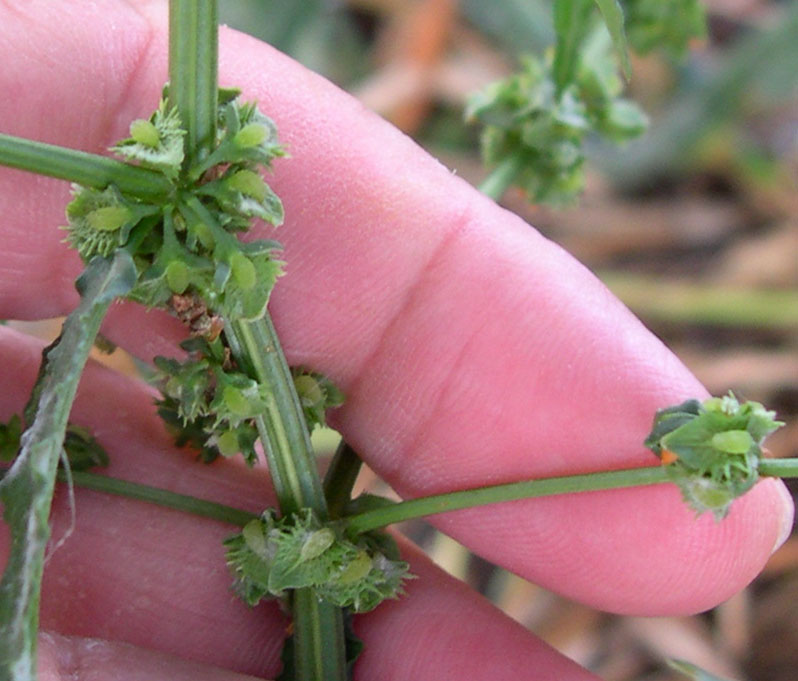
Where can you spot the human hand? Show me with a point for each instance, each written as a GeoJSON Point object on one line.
{"type": "Point", "coordinates": [471, 350]}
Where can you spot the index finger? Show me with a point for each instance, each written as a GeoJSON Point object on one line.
{"type": "Point", "coordinates": [471, 349]}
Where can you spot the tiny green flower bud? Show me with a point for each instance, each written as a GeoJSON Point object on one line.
{"type": "Point", "coordinates": [357, 569]}
{"type": "Point", "coordinates": [177, 276]}
{"type": "Point", "coordinates": [235, 401]}
{"type": "Point", "coordinates": [733, 441]}
{"type": "Point", "coordinates": [254, 537]}
{"type": "Point", "coordinates": [249, 183]}
{"type": "Point", "coordinates": [204, 234]}
{"type": "Point", "coordinates": [243, 271]}
{"type": "Point", "coordinates": [250, 136]}
{"type": "Point", "coordinates": [108, 218]}
{"type": "Point", "coordinates": [227, 443]}
{"type": "Point", "coordinates": [308, 389]}
{"type": "Point", "coordinates": [144, 132]}
{"type": "Point", "coordinates": [316, 543]}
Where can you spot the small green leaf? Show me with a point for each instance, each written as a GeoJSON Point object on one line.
{"type": "Point", "coordinates": [613, 17]}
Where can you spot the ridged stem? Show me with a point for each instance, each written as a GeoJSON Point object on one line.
{"type": "Point", "coordinates": [81, 167]}
{"type": "Point", "coordinates": [193, 66]}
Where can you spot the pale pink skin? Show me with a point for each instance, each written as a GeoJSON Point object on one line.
{"type": "Point", "coordinates": [471, 351]}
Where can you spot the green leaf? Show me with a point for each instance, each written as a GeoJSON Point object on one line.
{"type": "Point", "coordinates": [612, 13]}
{"type": "Point", "coordinates": [26, 490]}
{"type": "Point", "coordinates": [572, 20]}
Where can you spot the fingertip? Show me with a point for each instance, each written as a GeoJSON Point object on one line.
{"type": "Point", "coordinates": [785, 511]}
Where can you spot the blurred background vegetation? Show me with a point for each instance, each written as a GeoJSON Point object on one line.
{"type": "Point", "coordinates": [694, 226]}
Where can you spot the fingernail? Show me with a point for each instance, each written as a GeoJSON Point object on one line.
{"type": "Point", "coordinates": [786, 516]}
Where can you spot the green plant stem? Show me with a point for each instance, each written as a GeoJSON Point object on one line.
{"type": "Point", "coordinates": [27, 489]}
{"type": "Point", "coordinates": [81, 167]}
{"type": "Point", "coordinates": [161, 497]}
{"type": "Point", "coordinates": [527, 489]}
{"type": "Point", "coordinates": [340, 478]}
{"type": "Point", "coordinates": [193, 66]}
{"type": "Point", "coordinates": [319, 643]}
{"type": "Point", "coordinates": [319, 648]}
{"type": "Point", "coordinates": [779, 468]}
{"type": "Point", "coordinates": [289, 452]}
{"type": "Point", "coordinates": [318, 626]}
{"type": "Point", "coordinates": [502, 177]}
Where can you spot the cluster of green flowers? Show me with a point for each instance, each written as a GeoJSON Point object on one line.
{"type": "Point", "coordinates": [528, 118]}
{"type": "Point", "coordinates": [185, 243]}
{"type": "Point", "coordinates": [211, 405]}
{"type": "Point", "coordinates": [712, 449]}
{"type": "Point", "coordinates": [273, 555]}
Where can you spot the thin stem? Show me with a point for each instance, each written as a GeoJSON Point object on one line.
{"type": "Point", "coordinates": [513, 491]}
{"type": "Point", "coordinates": [502, 177]}
{"type": "Point", "coordinates": [193, 65]}
{"type": "Point", "coordinates": [316, 655]}
{"type": "Point", "coordinates": [162, 497]}
{"type": "Point", "coordinates": [81, 167]}
{"type": "Point", "coordinates": [27, 489]}
{"type": "Point", "coordinates": [285, 435]}
{"type": "Point", "coordinates": [779, 468]}
{"type": "Point", "coordinates": [340, 478]}
{"type": "Point", "coordinates": [319, 647]}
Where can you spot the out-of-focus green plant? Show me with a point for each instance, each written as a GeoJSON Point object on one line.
{"type": "Point", "coordinates": [537, 120]}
